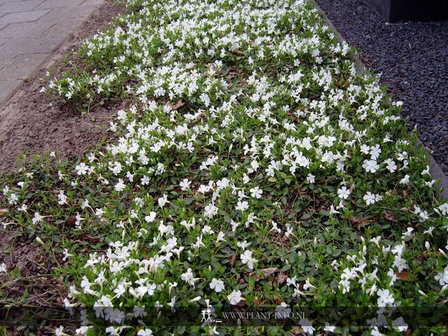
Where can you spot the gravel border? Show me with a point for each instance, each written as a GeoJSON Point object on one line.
{"type": "Point", "coordinates": [413, 60]}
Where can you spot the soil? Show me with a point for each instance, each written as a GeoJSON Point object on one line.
{"type": "Point", "coordinates": [28, 282]}
{"type": "Point", "coordinates": [32, 122]}
{"type": "Point", "coordinates": [25, 263]}
{"type": "Point", "coordinates": [413, 60]}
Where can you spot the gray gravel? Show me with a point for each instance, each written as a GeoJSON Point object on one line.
{"type": "Point", "coordinates": [413, 60]}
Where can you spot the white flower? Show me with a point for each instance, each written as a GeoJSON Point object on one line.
{"type": "Point", "coordinates": [375, 240]}
{"type": "Point", "coordinates": [408, 233]}
{"type": "Point", "coordinates": [345, 285]}
{"type": "Point", "coordinates": [400, 324]}
{"type": "Point", "coordinates": [82, 169]}
{"type": "Point", "coordinates": [444, 209]}
{"type": "Point", "coordinates": [162, 201]}
{"type": "Point", "coordinates": [369, 198]}
{"type": "Point", "coordinates": [5, 190]}
{"type": "Point", "coordinates": [66, 255]}
{"type": "Point", "coordinates": [116, 168]}
{"type": "Point", "coordinates": [256, 192]}
{"type": "Point", "coordinates": [120, 185]}
{"type": "Point", "coordinates": [372, 290]}
{"type": "Point", "coordinates": [207, 229]}
{"type": "Point", "coordinates": [210, 210]}
{"type": "Point", "coordinates": [430, 184]}
{"type": "Point", "coordinates": [307, 326]}
{"type": "Point", "coordinates": [62, 198]}
{"type": "Point", "coordinates": [224, 183]}
{"type": "Point", "coordinates": [291, 281]}
{"type": "Point", "coordinates": [246, 258]}
{"type": "Point", "coordinates": [375, 152]}
{"type": "Point", "coordinates": [188, 277]}
{"type": "Point", "coordinates": [442, 277]}
{"type": "Point", "coordinates": [37, 218]}
{"type": "Point", "coordinates": [242, 205]}
{"type": "Point", "coordinates": [245, 179]}
{"type": "Point", "coordinates": [221, 236]}
{"type": "Point", "coordinates": [311, 178]}
{"type": "Point", "coordinates": [365, 149]}
{"type": "Point", "coordinates": [429, 231]}
{"type": "Point", "coordinates": [144, 332]}
{"type": "Point", "coordinates": [405, 180]}
{"type": "Point", "coordinates": [217, 285]}
{"type": "Point", "coordinates": [234, 297]}
{"type": "Point", "coordinates": [82, 330]}
{"type": "Point", "coordinates": [326, 141]}
{"type": "Point", "coordinates": [254, 165]}
{"type": "Point", "coordinates": [329, 327]}
{"type": "Point", "coordinates": [417, 209]}
{"type": "Point", "coordinates": [205, 99]}
{"type": "Point", "coordinates": [114, 316]}
{"type": "Point", "coordinates": [3, 268]}
{"type": "Point", "coordinates": [151, 217]}
{"type": "Point", "coordinates": [343, 192]}
{"type": "Point", "coordinates": [423, 216]}
{"type": "Point", "coordinates": [13, 198]}
{"type": "Point", "coordinates": [426, 171]}
{"type": "Point", "coordinates": [60, 331]}
{"type": "Point", "coordinates": [385, 298]}
{"type": "Point", "coordinates": [23, 208]}
{"type": "Point", "coordinates": [376, 332]}
{"type": "Point", "coordinates": [185, 184]}
{"type": "Point", "coordinates": [243, 245]}
{"type": "Point", "coordinates": [99, 212]}
{"type": "Point", "coordinates": [308, 285]}
{"type": "Point", "coordinates": [333, 210]}
{"type": "Point", "coordinates": [371, 166]}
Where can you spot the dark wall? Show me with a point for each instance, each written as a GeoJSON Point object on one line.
{"type": "Point", "coordinates": [410, 10]}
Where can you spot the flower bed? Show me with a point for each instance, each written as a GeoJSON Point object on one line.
{"type": "Point", "coordinates": [255, 170]}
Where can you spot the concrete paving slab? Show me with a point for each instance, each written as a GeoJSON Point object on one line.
{"type": "Point", "coordinates": [26, 28]}
{"type": "Point", "coordinates": [31, 45]}
{"type": "Point", "coordinates": [59, 14]}
{"type": "Point", "coordinates": [92, 2]}
{"type": "Point", "coordinates": [64, 27]}
{"type": "Point", "coordinates": [30, 30]}
{"type": "Point", "coordinates": [7, 87]}
{"type": "Point", "coordinates": [22, 66]}
{"type": "Point", "coordinates": [28, 16]}
{"type": "Point", "coordinates": [59, 4]}
{"type": "Point", "coordinates": [5, 60]}
{"type": "Point", "coordinates": [19, 6]}
{"type": "Point", "coordinates": [83, 10]}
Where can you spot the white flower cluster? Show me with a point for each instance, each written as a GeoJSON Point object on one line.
{"type": "Point", "coordinates": [249, 126]}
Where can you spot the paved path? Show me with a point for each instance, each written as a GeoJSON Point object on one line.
{"type": "Point", "coordinates": [30, 30]}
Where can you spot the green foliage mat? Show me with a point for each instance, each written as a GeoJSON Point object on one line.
{"type": "Point", "coordinates": [255, 171]}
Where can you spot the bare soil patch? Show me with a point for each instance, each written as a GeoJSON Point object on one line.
{"type": "Point", "coordinates": [28, 267]}
{"type": "Point", "coordinates": [32, 122]}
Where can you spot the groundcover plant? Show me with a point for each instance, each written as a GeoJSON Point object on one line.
{"type": "Point", "coordinates": [254, 170]}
